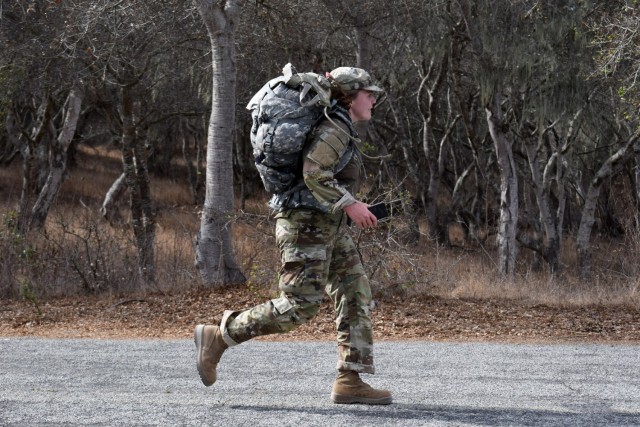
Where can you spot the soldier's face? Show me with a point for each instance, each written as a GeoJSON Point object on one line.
{"type": "Point", "coordinates": [361, 106]}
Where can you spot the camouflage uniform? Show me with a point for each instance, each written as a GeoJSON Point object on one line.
{"type": "Point", "coordinates": [317, 253]}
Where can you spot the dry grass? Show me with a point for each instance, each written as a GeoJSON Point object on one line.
{"type": "Point", "coordinates": [81, 253]}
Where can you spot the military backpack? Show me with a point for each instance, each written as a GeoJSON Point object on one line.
{"type": "Point", "coordinates": [283, 113]}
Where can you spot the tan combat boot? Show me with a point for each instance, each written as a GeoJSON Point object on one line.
{"type": "Point", "coordinates": [349, 388]}
{"type": "Point", "coordinates": [211, 342]}
{"type": "Point", "coordinates": [209, 349]}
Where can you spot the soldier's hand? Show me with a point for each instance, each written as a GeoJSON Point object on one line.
{"type": "Point", "coordinates": [361, 216]}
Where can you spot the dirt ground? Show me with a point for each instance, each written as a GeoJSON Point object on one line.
{"type": "Point", "coordinates": [434, 319]}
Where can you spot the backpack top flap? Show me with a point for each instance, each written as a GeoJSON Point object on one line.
{"type": "Point", "coordinates": [312, 84]}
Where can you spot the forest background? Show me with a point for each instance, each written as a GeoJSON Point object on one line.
{"type": "Point", "coordinates": [507, 146]}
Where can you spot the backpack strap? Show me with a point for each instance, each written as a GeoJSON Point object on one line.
{"type": "Point", "coordinates": [348, 135]}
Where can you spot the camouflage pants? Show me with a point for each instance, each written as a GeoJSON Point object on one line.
{"type": "Point", "coordinates": [317, 256]}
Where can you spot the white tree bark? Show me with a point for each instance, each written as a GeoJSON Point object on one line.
{"type": "Point", "coordinates": [113, 194]}
{"type": "Point", "coordinates": [214, 252]}
{"type": "Point", "coordinates": [58, 158]}
{"type": "Point", "coordinates": [507, 230]}
{"type": "Point", "coordinates": [432, 150]}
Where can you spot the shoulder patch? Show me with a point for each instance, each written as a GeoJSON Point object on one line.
{"type": "Point", "coordinates": [328, 147]}
{"type": "Point", "coordinates": [334, 140]}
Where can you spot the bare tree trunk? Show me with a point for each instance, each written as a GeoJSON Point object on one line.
{"type": "Point", "coordinates": [508, 189]}
{"type": "Point", "coordinates": [549, 247]}
{"type": "Point", "coordinates": [200, 165]}
{"type": "Point", "coordinates": [58, 159]}
{"type": "Point", "coordinates": [137, 179]}
{"type": "Point", "coordinates": [561, 182]}
{"type": "Point", "coordinates": [591, 203]}
{"type": "Point", "coordinates": [113, 194]}
{"type": "Point", "coordinates": [214, 252]}
{"type": "Point", "coordinates": [433, 152]}
{"type": "Point", "coordinates": [363, 41]}
{"type": "Point", "coordinates": [141, 152]}
{"type": "Point", "coordinates": [469, 27]}
{"type": "Point", "coordinates": [562, 172]}
{"type": "Point", "coordinates": [30, 164]}
{"type": "Point", "coordinates": [469, 122]}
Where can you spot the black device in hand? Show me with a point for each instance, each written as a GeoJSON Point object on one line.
{"type": "Point", "coordinates": [379, 210]}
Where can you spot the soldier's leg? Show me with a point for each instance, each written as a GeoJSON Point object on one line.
{"type": "Point", "coordinates": [303, 238]}
{"type": "Point", "coordinates": [279, 315]}
{"type": "Point", "coordinates": [348, 287]}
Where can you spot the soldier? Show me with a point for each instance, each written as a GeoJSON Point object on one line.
{"type": "Point", "coordinates": [317, 255]}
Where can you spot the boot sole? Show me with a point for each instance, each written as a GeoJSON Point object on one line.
{"type": "Point", "coordinates": [197, 338]}
{"type": "Point", "coordinates": [342, 399]}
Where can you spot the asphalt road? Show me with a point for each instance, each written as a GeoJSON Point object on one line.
{"type": "Point", "coordinates": [45, 382]}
